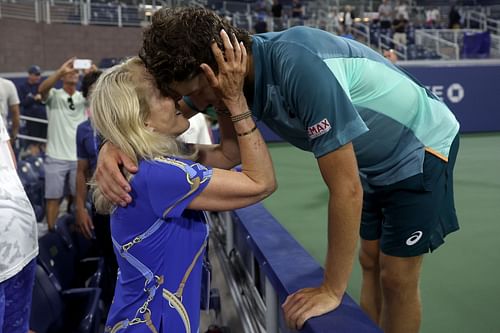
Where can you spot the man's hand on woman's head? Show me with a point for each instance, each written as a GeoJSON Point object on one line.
{"type": "Point", "coordinates": [108, 176]}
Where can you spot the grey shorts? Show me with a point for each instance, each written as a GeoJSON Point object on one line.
{"type": "Point", "coordinates": [57, 172]}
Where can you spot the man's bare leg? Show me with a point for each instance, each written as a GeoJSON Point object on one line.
{"type": "Point", "coordinates": [401, 305]}
{"type": "Point", "coordinates": [371, 298]}
{"type": "Point", "coordinates": [52, 210]}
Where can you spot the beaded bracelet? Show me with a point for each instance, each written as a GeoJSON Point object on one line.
{"type": "Point", "coordinates": [241, 116]}
{"type": "Point", "coordinates": [248, 132]}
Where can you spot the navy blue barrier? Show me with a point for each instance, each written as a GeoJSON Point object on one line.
{"type": "Point", "coordinates": [470, 91]}
{"type": "Point", "coordinates": [289, 268]}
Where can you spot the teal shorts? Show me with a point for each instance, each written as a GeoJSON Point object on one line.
{"type": "Point", "coordinates": [413, 216]}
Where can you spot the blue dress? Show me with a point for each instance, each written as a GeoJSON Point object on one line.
{"type": "Point", "coordinates": [159, 245]}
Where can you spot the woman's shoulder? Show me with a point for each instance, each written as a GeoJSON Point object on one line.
{"type": "Point", "coordinates": [165, 162]}
{"type": "Point", "coordinates": [171, 167]}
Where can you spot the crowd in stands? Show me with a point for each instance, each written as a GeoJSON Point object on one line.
{"type": "Point", "coordinates": [395, 21]}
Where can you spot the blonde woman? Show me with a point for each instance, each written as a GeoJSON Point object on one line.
{"type": "Point", "coordinates": [160, 237]}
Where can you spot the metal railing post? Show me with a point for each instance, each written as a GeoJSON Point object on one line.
{"type": "Point", "coordinates": [229, 227]}
{"type": "Point", "coordinates": [119, 10]}
{"type": "Point", "coordinates": [271, 308]}
{"type": "Point", "coordinates": [84, 13]}
{"type": "Point", "coordinates": [47, 12]}
{"type": "Point", "coordinates": [37, 11]}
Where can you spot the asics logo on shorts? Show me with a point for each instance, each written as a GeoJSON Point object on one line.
{"type": "Point", "coordinates": [414, 238]}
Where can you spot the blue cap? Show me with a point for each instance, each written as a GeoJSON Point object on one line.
{"type": "Point", "coordinates": [34, 70]}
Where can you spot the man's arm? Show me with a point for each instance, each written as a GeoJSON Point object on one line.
{"type": "Point", "coordinates": [83, 220]}
{"type": "Point", "coordinates": [14, 111]}
{"type": "Point", "coordinates": [12, 155]}
{"type": "Point", "coordinates": [340, 173]}
{"type": "Point", "coordinates": [50, 82]}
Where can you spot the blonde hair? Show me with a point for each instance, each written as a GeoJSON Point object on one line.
{"type": "Point", "coordinates": [120, 104]}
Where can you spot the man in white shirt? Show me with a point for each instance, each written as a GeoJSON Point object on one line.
{"type": "Point", "coordinates": [65, 111]}
{"type": "Point", "coordinates": [18, 244]}
{"type": "Point", "coordinates": [9, 102]}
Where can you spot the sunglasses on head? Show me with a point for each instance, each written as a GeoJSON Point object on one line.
{"type": "Point", "coordinates": [71, 105]}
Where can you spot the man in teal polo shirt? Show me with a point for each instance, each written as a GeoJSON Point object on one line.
{"type": "Point", "coordinates": [385, 147]}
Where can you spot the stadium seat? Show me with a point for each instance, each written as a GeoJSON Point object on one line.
{"type": "Point", "coordinates": [37, 164]}
{"type": "Point", "coordinates": [73, 310]}
{"type": "Point", "coordinates": [31, 174]}
{"type": "Point", "coordinates": [59, 255]}
{"type": "Point", "coordinates": [27, 173]}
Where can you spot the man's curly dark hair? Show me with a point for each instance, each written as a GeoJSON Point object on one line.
{"type": "Point", "coordinates": [178, 42]}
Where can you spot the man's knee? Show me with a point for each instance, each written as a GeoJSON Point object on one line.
{"type": "Point", "coordinates": [400, 275]}
{"type": "Point", "coordinates": [369, 256]}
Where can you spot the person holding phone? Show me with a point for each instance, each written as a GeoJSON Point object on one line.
{"type": "Point", "coordinates": [65, 111]}
{"type": "Point", "coordinates": [160, 240]}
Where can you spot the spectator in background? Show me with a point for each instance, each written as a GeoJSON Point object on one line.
{"type": "Point", "coordinates": [401, 9]}
{"type": "Point", "coordinates": [433, 16]}
{"type": "Point", "coordinates": [9, 106]}
{"type": "Point", "coordinates": [297, 9]}
{"type": "Point", "coordinates": [333, 16]}
{"type": "Point", "coordinates": [198, 131]}
{"type": "Point", "coordinates": [454, 18]}
{"type": "Point", "coordinates": [65, 111]}
{"type": "Point", "coordinates": [347, 22]}
{"type": "Point", "coordinates": [32, 106]}
{"type": "Point", "coordinates": [277, 11]}
{"type": "Point", "coordinates": [385, 14]}
{"type": "Point", "coordinates": [399, 27]}
{"type": "Point", "coordinates": [18, 244]}
{"type": "Point", "coordinates": [261, 25]}
{"type": "Point", "coordinates": [92, 224]}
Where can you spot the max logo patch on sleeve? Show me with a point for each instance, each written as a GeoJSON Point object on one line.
{"type": "Point", "coordinates": [319, 129]}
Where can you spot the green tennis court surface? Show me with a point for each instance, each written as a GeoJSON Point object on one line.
{"type": "Point", "coordinates": [461, 280]}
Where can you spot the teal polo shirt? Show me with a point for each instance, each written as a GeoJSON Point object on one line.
{"type": "Point", "coordinates": [319, 91]}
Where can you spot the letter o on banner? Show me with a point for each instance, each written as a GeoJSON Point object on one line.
{"type": "Point", "coordinates": [455, 93]}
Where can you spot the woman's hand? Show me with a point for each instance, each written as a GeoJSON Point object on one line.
{"type": "Point", "coordinates": [228, 83]}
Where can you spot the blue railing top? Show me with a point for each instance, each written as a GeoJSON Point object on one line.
{"type": "Point", "coordinates": [289, 268]}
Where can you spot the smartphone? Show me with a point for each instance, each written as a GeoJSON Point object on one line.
{"type": "Point", "coordinates": [82, 63]}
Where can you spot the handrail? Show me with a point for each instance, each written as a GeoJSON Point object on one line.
{"type": "Point", "coordinates": [419, 34]}
{"type": "Point", "coordinates": [485, 22]}
{"type": "Point", "coordinates": [288, 267]}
